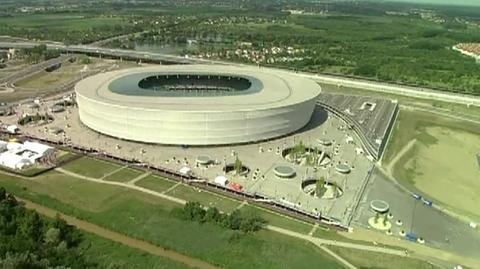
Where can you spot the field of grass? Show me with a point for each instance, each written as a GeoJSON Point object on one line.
{"type": "Point", "coordinates": [204, 197]}
{"type": "Point", "coordinates": [124, 175]}
{"type": "Point", "coordinates": [155, 183]}
{"type": "Point", "coordinates": [65, 156]}
{"type": "Point", "coordinates": [90, 167]}
{"type": "Point", "coordinates": [279, 220]}
{"type": "Point", "coordinates": [109, 254]}
{"type": "Point", "coordinates": [41, 80]}
{"type": "Point", "coordinates": [370, 260]}
{"type": "Point", "coordinates": [442, 163]}
{"type": "Point", "coordinates": [147, 217]}
{"type": "Point", "coordinates": [59, 21]}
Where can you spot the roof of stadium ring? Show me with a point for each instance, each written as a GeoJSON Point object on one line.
{"type": "Point", "coordinates": [196, 104]}
{"type": "Point", "coordinates": [198, 88]}
{"type": "Point", "coordinates": [176, 84]}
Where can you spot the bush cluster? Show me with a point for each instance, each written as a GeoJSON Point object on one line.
{"type": "Point", "coordinates": [30, 241]}
{"type": "Point", "coordinates": [194, 211]}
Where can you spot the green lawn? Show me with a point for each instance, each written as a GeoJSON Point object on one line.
{"type": "Point", "coordinates": [372, 260]}
{"type": "Point", "coordinates": [156, 183]}
{"type": "Point", "coordinates": [279, 220]}
{"type": "Point", "coordinates": [442, 162]}
{"type": "Point", "coordinates": [91, 167]}
{"type": "Point", "coordinates": [148, 217]}
{"type": "Point", "coordinates": [124, 175]}
{"type": "Point", "coordinates": [204, 197]}
{"type": "Point", "coordinates": [60, 21]}
{"type": "Point", "coordinates": [109, 254]}
{"type": "Point", "coordinates": [65, 156]}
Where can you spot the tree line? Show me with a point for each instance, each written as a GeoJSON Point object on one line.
{"type": "Point", "coordinates": [236, 220]}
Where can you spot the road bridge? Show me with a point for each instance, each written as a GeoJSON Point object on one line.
{"type": "Point", "coordinates": [344, 81]}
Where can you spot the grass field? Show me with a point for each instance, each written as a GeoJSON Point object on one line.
{"type": "Point", "coordinates": [155, 183]}
{"type": "Point", "coordinates": [204, 197]}
{"type": "Point", "coordinates": [366, 259]}
{"type": "Point", "coordinates": [60, 21]}
{"type": "Point", "coordinates": [147, 217]}
{"type": "Point", "coordinates": [124, 175]}
{"type": "Point", "coordinates": [278, 220]}
{"type": "Point", "coordinates": [90, 167]}
{"type": "Point", "coordinates": [109, 254]}
{"type": "Point", "coordinates": [442, 163]}
{"type": "Point", "coordinates": [43, 80]}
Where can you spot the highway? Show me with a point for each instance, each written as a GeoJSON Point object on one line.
{"type": "Point", "coordinates": [422, 93]}
{"type": "Point", "coordinates": [32, 69]}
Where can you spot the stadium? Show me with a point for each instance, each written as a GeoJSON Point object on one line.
{"type": "Point", "coordinates": [196, 105]}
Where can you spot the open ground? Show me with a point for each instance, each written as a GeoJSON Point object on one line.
{"type": "Point", "coordinates": [139, 215]}
{"type": "Point", "coordinates": [46, 83]}
{"type": "Point", "coordinates": [442, 161]}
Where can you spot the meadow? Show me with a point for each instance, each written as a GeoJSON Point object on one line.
{"type": "Point", "coordinates": [442, 162]}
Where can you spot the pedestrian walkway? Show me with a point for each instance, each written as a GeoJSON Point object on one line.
{"type": "Point", "coordinates": [172, 187]}
{"type": "Point", "coordinates": [317, 241]}
{"type": "Point", "coordinates": [314, 228]}
{"type": "Point", "coordinates": [140, 177]}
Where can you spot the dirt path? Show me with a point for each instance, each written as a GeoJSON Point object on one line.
{"type": "Point", "coordinates": [399, 155]}
{"type": "Point", "coordinates": [120, 238]}
{"type": "Point", "coordinates": [419, 252]}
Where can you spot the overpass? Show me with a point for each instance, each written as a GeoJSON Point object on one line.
{"type": "Point", "coordinates": [377, 86]}
{"type": "Point", "coordinates": [32, 69]}
{"type": "Point", "coordinates": [99, 51]}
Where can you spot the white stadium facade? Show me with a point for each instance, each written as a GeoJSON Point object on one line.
{"type": "Point", "coordinates": [196, 105]}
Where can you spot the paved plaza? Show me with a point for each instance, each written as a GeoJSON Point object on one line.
{"type": "Point", "coordinates": [264, 156]}
{"type": "Point", "coordinates": [436, 228]}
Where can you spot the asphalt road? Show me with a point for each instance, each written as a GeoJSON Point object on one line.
{"type": "Point", "coordinates": [424, 93]}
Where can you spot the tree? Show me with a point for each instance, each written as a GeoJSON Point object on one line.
{"type": "Point", "coordinates": [320, 186]}
{"type": "Point", "coordinates": [212, 215]}
{"type": "Point", "coordinates": [233, 220]}
{"type": "Point", "coordinates": [32, 226]}
{"type": "Point", "coordinates": [298, 150]}
{"type": "Point", "coordinates": [377, 217]}
{"type": "Point", "coordinates": [385, 220]}
{"type": "Point", "coordinates": [194, 211]}
{"type": "Point", "coordinates": [24, 260]}
{"type": "Point", "coordinates": [3, 194]}
{"type": "Point", "coordinates": [238, 166]}
{"type": "Point", "coordinates": [367, 70]}
{"type": "Point", "coordinates": [52, 236]}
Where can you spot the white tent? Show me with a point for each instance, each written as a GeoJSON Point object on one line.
{"type": "Point", "coordinates": [14, 161]}
{"type": "Point", "coordinates": [12, 129]}
{"type": "Point", "coordinates": [38, 148]}
{"type": "Point", "coordinates": [185, 170]}
{"type": "Point", "coordinates": [221, 180]}
{"type": "Point", "coordinates": [14, 146]}
{"type": "Point", "coordinates": [3, 146]}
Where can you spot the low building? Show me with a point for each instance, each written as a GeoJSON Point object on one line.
{"type": "Point", "coordinates": [14, 161]}
{"type": "Point", "coordinates": [17, 156]}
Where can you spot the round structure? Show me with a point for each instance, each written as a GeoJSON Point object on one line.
{"type": "Point", "coordinates": [203, 160]}
{"type": "Point", "coordinates": [284, 171]}
{"type": "Point", "coordinates": [196, 104]}
{"type": "Point", "coordinates": [379, 206]}
{"type": "Point", "coordinates": [324, 142]}
{"type": "Point", "coordinates": [343, 168]}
